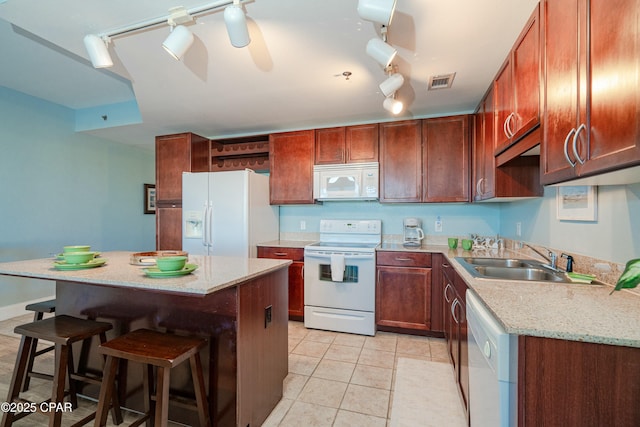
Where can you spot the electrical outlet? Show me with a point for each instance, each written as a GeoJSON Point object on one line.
{"type": "Point", "coordinates": [438, 225]}
{"type": "Point", "coordinates": [518, 229]}
{"type": "Point", "coordinates": [303, 224]}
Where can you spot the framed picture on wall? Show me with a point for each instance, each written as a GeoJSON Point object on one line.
{"type": "Point", "coordinates": [149, 198]}
{"type": "Point", "coordinates": [577, 203]}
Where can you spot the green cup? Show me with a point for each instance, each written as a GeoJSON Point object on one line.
{"type": "Point", "coordinates": [467, 244]}
{"type": "Point", "coordinates": [453, 242]}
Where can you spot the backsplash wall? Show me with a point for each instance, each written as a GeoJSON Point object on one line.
{"type": "Point", "coordinates": [457, 219]}
{"type": "Point", "coordinates": [614, 236]}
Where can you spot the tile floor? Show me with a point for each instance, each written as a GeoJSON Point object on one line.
{"type": "Point", "coordinates": [334, 379]}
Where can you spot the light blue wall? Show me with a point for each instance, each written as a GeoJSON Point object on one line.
{"type": "Point", "coordinates": [59, 187]}
{"type": "Point", "coordinates": [457, 219]}
{"type": "Point", "coordinates": [615, 236]}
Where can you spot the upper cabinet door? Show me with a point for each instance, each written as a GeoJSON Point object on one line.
{"type": "Point", "coordinates": [446, 159]}
{"type": "Point", "coordinates": [291, 177]}
{"type": "Point", "coordinates": [351, 144]}
{"type": "Point", "coordinates": [517, 87]}
{"type": "Point", "coordinates": [592, 90]}
{"type": "Point", "coordinates": [330, 146]}
{"type": "Point", "coordinates": [614, 90]}
{"type": "Point", "coordinates": [361, 143]}
{"type": "Point", "coordinates": [401, 161]}
{"type": "Point", "coordinates": [565, 79]}
{"type": "Point", "coordinates": [185, 152]}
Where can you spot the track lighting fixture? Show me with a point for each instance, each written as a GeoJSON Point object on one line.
{"type": "Point", "coordinates": [98, 51]}
{"type": "Point", "coordinates": [392, 105]}
{"type": "Point", "coordinates": [180, 38]}
{"type": "Point", "coordinates": [391, 84]}
{"type": "Point", "coordinates": [381, 51]}
{"type": "Point", "coordinates": [236, 23]}
{"type": "Point", "coordinates": [178, 42]}
{"type": "Point", "coordinates": [380, 11]}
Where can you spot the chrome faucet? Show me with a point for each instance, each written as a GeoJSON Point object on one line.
{"type": "Point", "coordinates": [552, 257]}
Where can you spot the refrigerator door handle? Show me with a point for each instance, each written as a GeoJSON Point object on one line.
{"type": "Point", "coordinates": [204, 225]}
{"type": "Point", "coordinates": [210, 226]}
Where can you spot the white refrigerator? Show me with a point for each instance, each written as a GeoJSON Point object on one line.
{"type": "Point", "coordinates": [227, 213]}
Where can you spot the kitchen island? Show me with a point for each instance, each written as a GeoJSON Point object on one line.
{"type": "Point", "coordinates": [238, 304]}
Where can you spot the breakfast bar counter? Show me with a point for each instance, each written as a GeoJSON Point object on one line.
{"type": "Point", "coordinates": [238, 304]}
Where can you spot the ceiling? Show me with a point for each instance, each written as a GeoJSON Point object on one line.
{"type": "Point", "coordinates": [289, 77]}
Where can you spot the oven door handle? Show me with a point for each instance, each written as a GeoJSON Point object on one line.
{"type": "Point", "coordinates": [328, 256]}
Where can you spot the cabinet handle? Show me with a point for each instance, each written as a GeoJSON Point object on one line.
{"type": "Point", "coordinates": [566, 151]}
{"type": "Point", "coordinates": [509, 120]}
{"type": "Point", "coordinates": [479, 191]}
{"type": "Point", "coordinates": [302, 272]}
{"type": "Point", "coordinates": [404, 259]}
{"type": "Point", "coordinates": [280, 253]}
{"type": "Point", "coordinates": [453, 310]}
{"type": "Point", "coordinates": [446, 296]}
{"type": "Point", "coordinates": [575, 143]}
{"type": "Point", "coordinates": [506, 126]}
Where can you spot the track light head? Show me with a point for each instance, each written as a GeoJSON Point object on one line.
{"type": "Point", "coordinates": [392, 105]}
{"type": "Point", "coordinates": [98, 51]}
{"type": "Point", "coordinates": [381, 51]}
{"type": "Point", "coordinates": [178, 42]}
{"type": "Point", "coordinates": [391, 84]}
{"type": "Point", "coordinates": [380, 11]}
{"type": "Point", "coordinates": [236, 23]}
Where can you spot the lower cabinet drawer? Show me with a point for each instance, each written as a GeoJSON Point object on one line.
{"type": "Point", "coordinates": [403, 259]}
{"type": "Point", "coordinates": [276, 252]}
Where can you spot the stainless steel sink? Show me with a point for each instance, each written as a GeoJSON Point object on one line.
{"type": "Point", "coordinates": [511, 269]}
{"type": "Point", "coordinates": [512, 273]}
{"type": "Point", "coordinates": [498, 262]}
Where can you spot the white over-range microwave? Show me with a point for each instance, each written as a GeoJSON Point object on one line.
{"type": "Point", "coordinates": [351, 181]}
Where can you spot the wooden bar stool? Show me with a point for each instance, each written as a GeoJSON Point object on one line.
{"type": "Point", "coordinates": [39, 308]}
{"type": "Point", "coordinates": [164, 351]}
{"type": "Point", "coordinates": [63, 331]}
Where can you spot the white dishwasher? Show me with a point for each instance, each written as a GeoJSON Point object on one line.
{"type": "Point", "coordinates": [493, 368]}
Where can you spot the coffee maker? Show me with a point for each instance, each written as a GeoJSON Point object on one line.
{"type": "Point", "coordinates": [413, 233]}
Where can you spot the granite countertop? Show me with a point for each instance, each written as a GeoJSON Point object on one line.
{"type": "Point", "coordinates": [213, 274]}
{"type": "Point", "coordinates": [296, 244]}
{"type": "Point", "coordinates": [570, 311]}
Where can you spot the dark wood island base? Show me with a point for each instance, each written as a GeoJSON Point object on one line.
{"type": "Point", "coordinates": [239, 305]}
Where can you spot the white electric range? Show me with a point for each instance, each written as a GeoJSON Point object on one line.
{"type": "Point", "coordinates": [340, 276]}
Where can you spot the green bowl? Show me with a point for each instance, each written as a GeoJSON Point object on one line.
{"type": "Point", "coordinates": [79, 248]}
{"type": "Point", "coordinates": [171, 263]}
{"type": "Point", "coordinates": [78, 257]}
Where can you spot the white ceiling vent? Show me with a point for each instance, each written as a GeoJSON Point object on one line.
{"type": "Point", "coordinates": [443, 81]}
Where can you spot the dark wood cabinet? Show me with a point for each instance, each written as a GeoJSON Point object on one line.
{"type": "Point", "coordinates": [591, 103]}
{"type": "Point", "coordinates": [351, 144]}
{"type": "Point", "coordinates": [401, 161]}
{"type": "Point", "coordinates": [361, 143]}
{"type": "Point", "coordinates": [516, 178]}
{"type": "Point", "coordinates": [446, 156]}
{"type": "Point", "coordinates": [291, 156]}
{"type": "Point", "coordinates": [455, 325]}
{"type": "Point", "coordinates": [185, 152]}
{"type": "Point", "coordinates": [425, 160]}
{"type": "Point", "coordinates": [403, 291]}
{"type": "Point", "coordinates": [517, 87]}
{"type": "Point", "coordinates": [599, 383]}
{"type": "Point", "coordinates": [296, 276]}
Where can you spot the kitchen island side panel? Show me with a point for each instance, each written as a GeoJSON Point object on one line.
{"type": "Point", "coordinates": [263, 324]}
{"type": "Point", "coordinates": [214, 316]}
